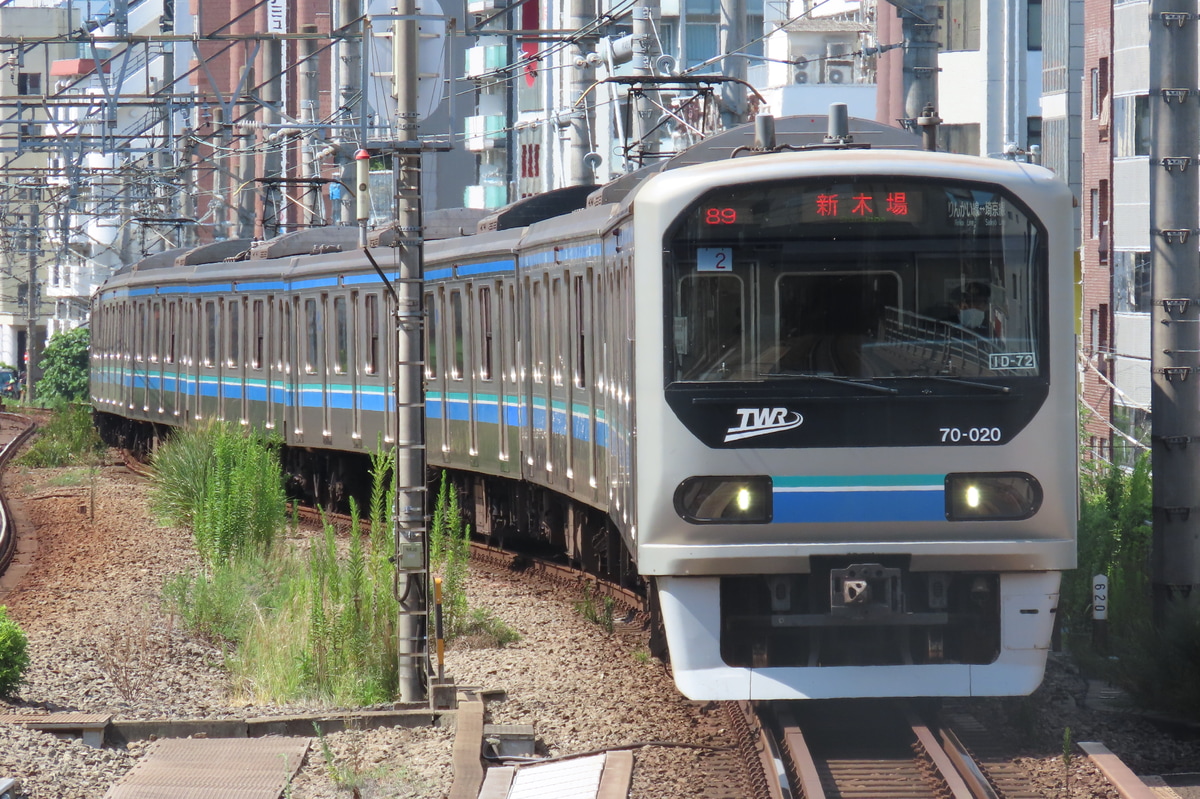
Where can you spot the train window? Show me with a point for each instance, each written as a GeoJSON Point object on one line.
{"type": "Point", "coordinates": [341, 353]}
{"type": "Point", "coordinates": [558, 306]}
{"type": "Point", "coordinates": [139, 345]}
{"type": "Point", "coordinates": [171, 333]}
{"type": "Point", "coordinates": [434, 314]}
{"type": "Point", "coordinates": [856, 279]}
{"type": "Point", "coordinates": [156, 332]}
{"type": "Point", "coordinates": [485, 333]}
{"type": "Point", "coordinates": [210, 329]}
{"type": "Point", "coordinates": [312, 327]}
{"type": "Point", "coordinates": [582, 301]}
{"type": "Point", "coordinates": [538, 332]}
{"type": "Point", "coordinates": [457, 343]}
{"type": "Point", "coordinates": [256, 356]}
{"type": "Point", "coordinates": [233, 354]}
{"type": "Point", "coordinates": [371, 311]}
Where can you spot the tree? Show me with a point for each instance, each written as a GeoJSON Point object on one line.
{"type": "Point", "coordinates": [65, 367]}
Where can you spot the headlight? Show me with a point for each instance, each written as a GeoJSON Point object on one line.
{"type": "Point", "coordinates": [714, 500]}
{"type": "Point", "coordinates": [1001, 495]}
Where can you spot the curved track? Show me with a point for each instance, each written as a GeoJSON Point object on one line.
{"type": "Point", "coordinates": [14, 430]}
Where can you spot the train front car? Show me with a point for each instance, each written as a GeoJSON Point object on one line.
{"type": "Point", "coordinates": [856, 462]}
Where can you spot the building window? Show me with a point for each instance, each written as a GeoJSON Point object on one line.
{"type": "Point", "coordinates": [1131, 282]}
{"type": "Point", "coordinates": [1094, 216]}
{"type": "Point", "coordinates": [1131, 117]}
{"type": "Point", "coordinates": [1033, 25]}
{"type": "Point", "coordinates": [29, 83]}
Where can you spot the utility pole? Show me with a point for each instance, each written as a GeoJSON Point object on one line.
{"type": "Point", "coordinates": [731, 38]}
{"type": "Point", "coordinates": [645, 53]}
{"type": "Point", "coordinates": [412, 556]}
{"type": "Point", "coordinates": [32, 351]}
{"type": "Point", "coordinates": [1175, 310]}
{"type": "Point", "coordinates": [578, 172]}
{"type": "Point", "coordinates": [309, 113]}
{"type": "Point", "coordinates": [347, 74]}
{"type": "Point", "coordinates": [918, 20]}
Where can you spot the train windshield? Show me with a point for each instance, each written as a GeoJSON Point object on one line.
{"type": "Point", "coordinates": [855, 278]}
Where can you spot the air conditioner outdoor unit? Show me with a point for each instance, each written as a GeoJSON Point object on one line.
{"type": "Point", "coordinates": [839, 72]}
{"type": "Point", "coordinates": [808, 69]}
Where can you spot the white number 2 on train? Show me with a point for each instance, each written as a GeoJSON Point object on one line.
{"type": "Point", "coordinates": [714, 259]}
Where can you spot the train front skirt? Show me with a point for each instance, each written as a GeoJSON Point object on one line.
{"type": "Point", "coordinates": [691, 608]}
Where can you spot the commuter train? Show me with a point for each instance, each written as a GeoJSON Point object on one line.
{"type": "Point", "coordinates": [820, 399]}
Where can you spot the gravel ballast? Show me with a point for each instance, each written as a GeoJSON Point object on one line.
{"type": "Point", "coordinates": [89, 601]}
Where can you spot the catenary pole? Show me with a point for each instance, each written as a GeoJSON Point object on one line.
{"type": "Point", "coordinates": [1175, 310]}
{"type": "Point", "coordinates": [410, 407]}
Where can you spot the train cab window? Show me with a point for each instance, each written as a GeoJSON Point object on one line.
{"type": "Point", "coordinates": [341, 352]}
{"type": "Point", "coordinates": [486, 340]}
{"type": "Point", "coordinates": [312, 339]}
{"type": "Point", "coordinates": [256, 356]}
{"type": "Point", "coordinates": [709, 328]}
{"type": "Point", "coordinates": [458, 343]}
{"type": "Point", "coordinates": [371, 312]}
{"type": "Point", "coordinates": [210, 330]}
{"type": "Point", "coordinates": [433, 312]}
{"type": "Point", "coordinates": [233, 346]}
{"type": "Point", "coordinates": [899, 280]}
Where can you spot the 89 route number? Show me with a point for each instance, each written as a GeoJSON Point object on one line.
{"type": "Point", "coordinates": [970, 435]}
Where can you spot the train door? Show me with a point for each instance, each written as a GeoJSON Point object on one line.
{"type": "Point", "coordinates": [156, 322]}
{"type": "Point", "coordinates": [559, 404]}
{"type": "Point", "coordinates": [506, 368]}
{"type": "Point", "coordinates": [258, 365]}
{"type": "Point", "coordinates": [284, 392]}
{"type": "Point", "coordinates": [439, 364]}
{"type": "Point", "coordinates": [172, 355]}
{"type": "Point", "coordinates": [487, 371]}
{"type": "Point", "coordinates": [369, 325]}
{"type": "Point", "coordinates": [235, 358]}
{"type": "Point", "coordinates": [311, 374]}
{"type": "Point", "coordinates": [537, 399]}
{"type": "Point", "coordinates": [469, 326]}
{"type": "Point", "coordinates": [192, 345]}
{"type": "Point", "coordinates": [582, 379]}
{"type": "Point", "coordinates": [209, 383]}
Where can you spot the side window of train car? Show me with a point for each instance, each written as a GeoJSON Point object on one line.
{"type": "Point", "coordinates": [341, 351]}
{"type": "Point", "coordinates": [371, 323]}
{"type": "Point", "coordinates": [458, 344]}
{"type": "Point", "coordinates": [371, 314]}
{"type": "Point", "coordinates": [139, 346]}
{"type": "Point", "coordinates": [171, 332]}
{"type": "Point", "coordinates": [312, 327]}
{"type": "Point", "coordinates": [156, 332]}
{"type": "Point", "coordinates": [233, 345]}
{"type": "Point", "coordinates": [557, 333]}
{"type": "Point", "coordinates": [210, 330]}
{"type": "Point", "coordinates": [434, 320]}
{"type": "Point", "coordinates": [486, 342]}
{"type": "Point", "coordinates": [582, 301]}
{"type": "Point", "coordinates": [536, 332]}
{"type": "Point", "coordinates": [256, 356]}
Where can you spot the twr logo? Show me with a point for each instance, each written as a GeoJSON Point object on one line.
{"type": "Point", "coordinates": [760, 421]}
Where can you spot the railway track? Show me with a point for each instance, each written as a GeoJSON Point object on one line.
{"type": "Point", "coordinates": [865, 749]}
{"type": "Point", "coordinates": [14, 430]}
